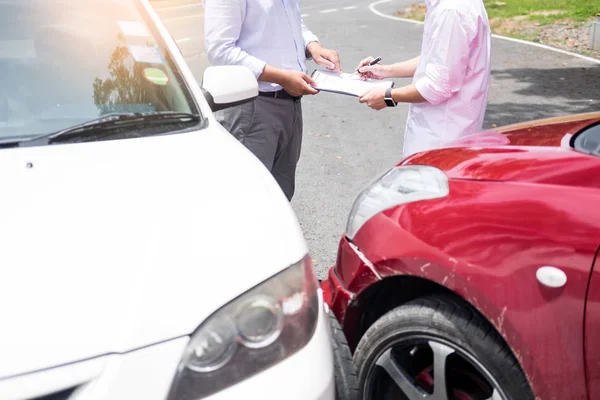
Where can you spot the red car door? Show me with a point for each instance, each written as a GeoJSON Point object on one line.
{"type": "Point", "coordinates": [592, 333]}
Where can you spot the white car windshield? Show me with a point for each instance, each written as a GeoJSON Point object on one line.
{"type": "Point", "coordinates": [65, 62]}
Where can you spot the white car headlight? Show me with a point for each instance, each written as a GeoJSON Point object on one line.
{"type": "Point", "coordinates": [258, 329]}
{"type": "Point", "coordinates": [399, 185]}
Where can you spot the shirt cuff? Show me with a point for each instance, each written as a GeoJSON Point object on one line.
{"type": "Point", "coordinates": [309, 37]}
{"type": "Point", "coordinates": [434, 86]}
{"type": "Point", "coordinates": [256, 66]}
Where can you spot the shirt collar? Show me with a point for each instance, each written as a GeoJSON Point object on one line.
{"type": "Point", "coordinates": [432, 3]}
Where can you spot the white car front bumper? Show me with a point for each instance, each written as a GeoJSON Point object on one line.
{"type": "Point", "coordinates": [148, 373]}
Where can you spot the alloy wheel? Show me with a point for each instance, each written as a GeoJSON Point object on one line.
{"type": "Point", "coordinates": [427, 368]}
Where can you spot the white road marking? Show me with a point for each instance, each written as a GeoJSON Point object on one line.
{"type": "Point", "coordinates": [350, 7]}
{"type": "Point", "coordinates": [542, 46]}
{"type": "Point", "coordinates": [328, 10]}
{"type": "Point", "coordinates": [183, 40]}
{"type": "Point", "coordinates": [305, 15]}
{"type": "Point", "coordinates": [380, 14]}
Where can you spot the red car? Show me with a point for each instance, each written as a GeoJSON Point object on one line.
{"type": "Point", "coordinates": [467, 273]}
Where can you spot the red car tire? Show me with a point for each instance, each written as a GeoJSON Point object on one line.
{"type": "Point", "coordinates": [400, 352]}
{"type": "Point", "coordinates": [346, 380]}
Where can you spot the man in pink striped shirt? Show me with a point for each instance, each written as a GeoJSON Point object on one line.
{"type": "Point", "coordinates": [451, 77]}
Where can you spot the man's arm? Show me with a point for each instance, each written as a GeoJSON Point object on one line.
{"type": "Point", "coordinates": [407, 94]}
{"type": "Point", "coordinates": [405, 69]}
{"type": "Point", "coordinates": [445, 65]}
{"type": "Point", "coordinates": [308, 37]}
{"type": "Point", "coordinates": [375, 97]}
{"type": "Point", "coordinates": [322, 56]}
{"type": "Point", "coordinates": [222, 26]}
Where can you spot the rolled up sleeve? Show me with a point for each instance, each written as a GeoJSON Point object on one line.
{"type": "Point", "coordinates": [446, 61]}
{"type": "Point", "coordinates": [222, 27]}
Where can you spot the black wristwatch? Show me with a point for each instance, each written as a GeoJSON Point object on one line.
{"type": "Point", "coordinates": [388, 98]}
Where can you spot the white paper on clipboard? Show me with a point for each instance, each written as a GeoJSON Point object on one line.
{"type": "Point", "coordinates": [348, 84]}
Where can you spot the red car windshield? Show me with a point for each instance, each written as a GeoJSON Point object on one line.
{"type": "Point", "coordinates": [65, 62]}
{"type": "Point", "coordinates": [588, 140]}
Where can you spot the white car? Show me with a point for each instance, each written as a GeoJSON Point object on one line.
{"type": "Point", "coordinates": [144, 252]}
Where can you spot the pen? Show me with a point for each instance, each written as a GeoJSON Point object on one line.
{"type": "Point", "coordinates": [373, 62]}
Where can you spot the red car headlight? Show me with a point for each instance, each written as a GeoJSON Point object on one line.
{"type": "Point", "coordinates": [399, 185]}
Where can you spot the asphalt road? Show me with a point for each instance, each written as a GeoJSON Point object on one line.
{"type": "Point", "coordinates": [346, 144]}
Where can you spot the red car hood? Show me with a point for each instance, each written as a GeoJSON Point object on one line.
{"type": "Point", "coordinates": [536, 151]}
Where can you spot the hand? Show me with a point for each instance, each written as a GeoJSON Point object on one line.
{"type": "Point", "coordinates": [375, 98]}
{"type": "Point", "coordinates": [377, 71]}
{"type": "Point", "coordinates": [325, 57]}
{"type": "Point", "coordinates": [297, 83]}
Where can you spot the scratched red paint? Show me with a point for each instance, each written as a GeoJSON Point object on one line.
{"type": "Point", "coordinates": [516, 203]}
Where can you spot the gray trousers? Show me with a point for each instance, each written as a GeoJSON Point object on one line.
{"type": "Point", "coordinates": [272, 130]}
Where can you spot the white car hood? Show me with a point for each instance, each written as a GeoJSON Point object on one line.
{"type": "Point", "coordinates": [109, 246]}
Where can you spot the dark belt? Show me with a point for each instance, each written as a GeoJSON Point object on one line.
{"type": "Point", "coordinates": [280, 94]}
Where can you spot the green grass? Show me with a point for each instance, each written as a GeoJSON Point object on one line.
{"type": "Point", "coordinates": [547, 19]}
{"type": "Point", "coordinates": [577, 10]}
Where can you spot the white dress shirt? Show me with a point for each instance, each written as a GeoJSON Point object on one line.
{"type": "Point", "coordinates": [453, 75]}
{"type": "Point", "coordinates": [254, 33]}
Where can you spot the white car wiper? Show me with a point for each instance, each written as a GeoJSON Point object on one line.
{"type": "Point", "coordinates": [113, 121]}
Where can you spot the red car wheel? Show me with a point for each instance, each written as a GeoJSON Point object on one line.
{"type": "Point", "coordinates": [434, 349]}
{"type": "Point", "coordinates": [346, 380]}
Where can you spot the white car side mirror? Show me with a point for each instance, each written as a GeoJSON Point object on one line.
{"type": "Point", "coordinates": [228, 86]}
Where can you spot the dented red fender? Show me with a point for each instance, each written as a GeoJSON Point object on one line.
{"type": "Point", "coordinates": [485, 242]}
{"type": "Point", "coordinates": [520, 199]}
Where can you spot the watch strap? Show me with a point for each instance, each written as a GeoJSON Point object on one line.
{"type": "Point", "coordinates": [389, 100]}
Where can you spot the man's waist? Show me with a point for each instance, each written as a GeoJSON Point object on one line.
{"type": "Point", "coordinates": [279, 94]}
{"type": "Point", "coordinates": [452, 118]}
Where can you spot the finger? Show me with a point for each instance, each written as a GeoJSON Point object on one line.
{"type": "Point", "coordinates": [366, 69]}
{"type": "Point", "coordinates": [326, 62]}
{"type": "Point", "coordinates": [309, 89]}
{"type": "Point", "coordinates": [309, 80]}
{"type": "Point", "coordinates": [364, 62]}
{"type": "Point", "coordinates": [336, 65]}
{"type": "Point", "coordinates": [335, 59]}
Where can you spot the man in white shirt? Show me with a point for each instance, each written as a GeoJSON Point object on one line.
{"type": "Point", "coordinates": [270, 38]}
{"type": "Point", "coordinates": [451, 77]}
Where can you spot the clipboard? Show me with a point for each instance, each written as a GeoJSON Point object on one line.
{"type": "Point", "coordinates": [345, 84]}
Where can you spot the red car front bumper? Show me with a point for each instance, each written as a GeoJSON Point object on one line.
{"type": "Point", "coordinates": [349, 277]}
